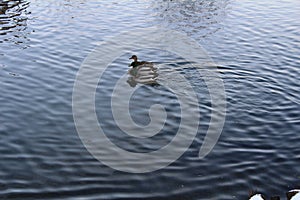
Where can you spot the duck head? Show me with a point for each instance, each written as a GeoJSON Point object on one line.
{"type": "Point", "coordinates": [134, 57]}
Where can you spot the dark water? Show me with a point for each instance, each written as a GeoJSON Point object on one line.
{"type": "Point", "coordinates": [254, 44]}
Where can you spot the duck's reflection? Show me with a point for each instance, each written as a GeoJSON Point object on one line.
{"type": "Point", "coordinates": [142, 72]}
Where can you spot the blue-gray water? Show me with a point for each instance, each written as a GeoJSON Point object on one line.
{"type": "Point", "coordinates": [255, 45]}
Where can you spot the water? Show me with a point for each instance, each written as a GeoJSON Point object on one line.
{"type": "Point", "coordinates": [254, 44]}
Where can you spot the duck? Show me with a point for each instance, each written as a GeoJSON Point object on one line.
{"type": "Point", "coordinates": [136, 63]}
{"type": "Point", "coordinates": [141, 72]}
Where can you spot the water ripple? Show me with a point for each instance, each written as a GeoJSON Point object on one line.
{"type": "Point", "coordinates": [13, 22]}
{"type": "Point", "coordinates": [198, 19]}
{"type": "Point", "coordinates": [255, 44]}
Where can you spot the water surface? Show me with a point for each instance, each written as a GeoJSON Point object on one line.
{"type": "Point", "coordinates": [254, 44]}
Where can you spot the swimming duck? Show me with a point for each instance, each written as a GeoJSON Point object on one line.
{"type": "Point", "coordinates": [141, 72]}
{"type": "Point", "coordinates": [136, 63]}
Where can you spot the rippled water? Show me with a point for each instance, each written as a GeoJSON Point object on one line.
{"type": "Point", "coordinates": [13, 21]}
{"type": "Point", "coordinates": [254, 44]}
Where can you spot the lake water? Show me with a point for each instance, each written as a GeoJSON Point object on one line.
{"type": "Point", "coordinates": [255, 45]}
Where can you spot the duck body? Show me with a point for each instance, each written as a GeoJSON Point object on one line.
{"type": "Point", "coordinates": [137, 63]}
